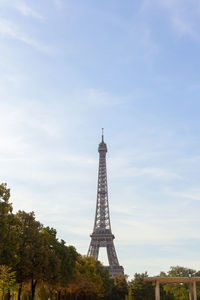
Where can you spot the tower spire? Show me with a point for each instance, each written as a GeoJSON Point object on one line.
{"type": "Point", "coordinates": [102, 235]}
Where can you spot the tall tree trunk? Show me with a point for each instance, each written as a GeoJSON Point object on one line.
{"type": "Point", "coordinates": [59, 295]}
{"type": "Point", "coordinates": [8, 295]}
{"type": "Point", "coordinates": [19, 292]}
{"type": "Point", "coordinates": [65, 296]}
{"type": "Point", "coordinates": [33, 286]}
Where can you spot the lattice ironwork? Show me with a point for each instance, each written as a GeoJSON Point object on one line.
{"type": "Point", "coordinates": [102, 235]}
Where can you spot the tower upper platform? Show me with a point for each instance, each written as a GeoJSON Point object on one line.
{"type": "Point", "coordinates": [102, 145]}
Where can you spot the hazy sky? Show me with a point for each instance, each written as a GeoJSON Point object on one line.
{"type": "Point", "coordinates": [69, 68]}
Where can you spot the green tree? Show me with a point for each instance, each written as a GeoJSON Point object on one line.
{"type": "Point", "coordinates": [51, 272]}
{"type": "Point", "coordinates": [8, 229]}
{"type": "Point", "coordinates": [88, 281]}
{"type": "Point", "coordinates": [107, 281]}
{"type": "Point", "coordinates": [61, 262]}
{"type": "Point", "coordinates": [180, 291]}
{"type": "Point", "coordinates": [7, 280]}
{"type": "Point", "coordinates": [68, 257]}
{"type": "Point", "coordinates": [141, 290]}
{"type": "Point", "coordinates": [120, 287]}
{"type": "Point", "coordinates": [32, 256]}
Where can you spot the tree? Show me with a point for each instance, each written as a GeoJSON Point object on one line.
{"type": "Point", "coordinates": [120, 287]}
{"type": "Point", "coordinates": [179, 291]}
{"type": "Point", "coordinates": [61, 262]}
{"type": "Point", "coordinates": [6, 207]}
{"type": "Point", "coordinates": [7, 280]}
{"type": "Point", "coordinates": [141, 290]}
{"type": "Point", "coordinates": [68, 257]}
{"type": "Point", "coordinates": [32, 259]}
{"type": "Point", "coordinates": [51, 272]}
{"type": "Point", "coordinates": [88, 281]}
{"type": "Point", "coordinates": [8, 229]}
{"type": "Point", "coordinates": [108, 282]}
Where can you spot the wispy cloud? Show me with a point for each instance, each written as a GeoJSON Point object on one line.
{"type": "Point", "coordinates": [183, 27]}
{"type": "Point", "coordinates": [27, 11]}
{"type": "Point", "coordinates": [151, 172]}
{"type": "Point", "coordinates": [10, 30]}
{"type": "Point", "coordinates": [182, 15]}
{"type": "Point", "coordinates": [157, 173]}
{"type": "Point", "coordinates": [147, 230]}
{"type": "Point", "coordinates": [10, 80]}
{"type": "Point", "coordinates": [97, 98]}
{"type": "Point", "coordinates": [190, 194]}
{"type": "Point", "coordinates": [58, 3]}
{"type": "Point", "coordinates": [23, 8]}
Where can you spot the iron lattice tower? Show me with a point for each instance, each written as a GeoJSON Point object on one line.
{"type": "Point", "coordinates": [102, 235]}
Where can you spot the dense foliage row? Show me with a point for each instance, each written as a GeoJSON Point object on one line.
{"type": "Point", "coordinates": [33, 262]}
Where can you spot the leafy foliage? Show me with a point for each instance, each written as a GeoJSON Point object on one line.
{"type": "Point", "coordinates": [8, 229]}
{"type": "Point", "coordinates": [120, 288]}
{"type": "Point", "coordinates": [179, 291]}
{"type": "Point", "coordinates": [7, 279]}
{"type": "Point", "coordinates": [140, 289]}
{"type": "Point", "coordinates": [88, 280]}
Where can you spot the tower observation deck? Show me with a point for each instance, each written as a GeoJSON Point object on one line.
{"type": "Point", "coordinates": [102, 235]}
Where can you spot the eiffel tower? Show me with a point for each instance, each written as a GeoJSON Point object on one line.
{"type": "Point", "coordinates": [102, 235]}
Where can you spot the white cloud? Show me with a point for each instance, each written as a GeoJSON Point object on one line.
{"type": "Point", "coordinates": [151, 172]}
{"type": "Point", "coordinates": [182, 21]}
{"type": "Point", "coordinates": [58, 3]}
{"type": "Point", "coordinates": [184, 28]}
{"type": "Point", "coordinates": [191, 194]}
{"type": "Point", "coordinates": [10, 30]}
{"type": "Point", "coordinates": [155, 232]}
{"type": "Point", "coordinates": [27, 11]}
{"type": "Point", "coordinates": [157, 173]}
{"type": "Point", "coordinates": [8, 81]}
{"type": "Point", "coordinates": [22, 7]}
{"type": "Point", "coordinates": [123, 210]}
{"type": "Point", "coordinates": [96, 98]}
{"type": "Point", "coordinates": [182, 15]}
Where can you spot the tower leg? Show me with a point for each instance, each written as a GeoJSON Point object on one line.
{"type": "Point", "coordinates": [112, 256]}
{"type": "Point", "coordinates": [93, 250]}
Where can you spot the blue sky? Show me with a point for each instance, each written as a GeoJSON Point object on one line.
{"type": "Point", "coordinates": [69, 68]}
